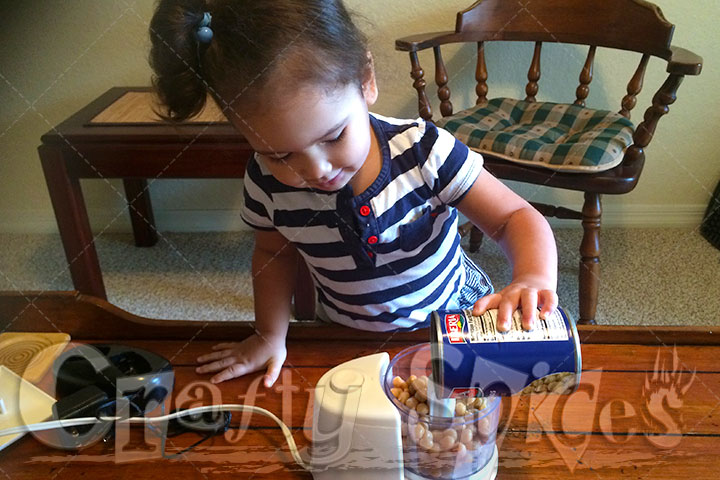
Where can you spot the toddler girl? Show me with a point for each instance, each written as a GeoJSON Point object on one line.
{"type": "Point", "coordinates": [370, 202]}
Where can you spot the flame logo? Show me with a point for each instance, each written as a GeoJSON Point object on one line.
{"type": "Point", "coordinates": [663, 393]}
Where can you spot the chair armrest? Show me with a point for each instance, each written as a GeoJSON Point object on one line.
{"type": "Point", "coordinates": [684, 62]}
{"type": "Point", "coordinates": [421, 41]}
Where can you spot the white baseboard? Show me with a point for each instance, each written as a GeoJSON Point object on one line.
{"type": "Point", "coordinates": [644, 216]}
{"type": "Point", "coordinates": [43, 221]}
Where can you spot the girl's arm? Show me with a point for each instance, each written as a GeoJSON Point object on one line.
{"type": "Point", "coordinates": [274, 270]}
{"type": "Point", "coordinates": [528, 242]}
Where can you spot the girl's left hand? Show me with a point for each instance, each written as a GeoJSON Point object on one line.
{"type": "Point", "coordinates": [526, 293]}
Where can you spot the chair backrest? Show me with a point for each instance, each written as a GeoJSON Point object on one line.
{"type": "Point", "coordinates": [625, 24]}
{"type": "Point", "coordinates": [634, 25]}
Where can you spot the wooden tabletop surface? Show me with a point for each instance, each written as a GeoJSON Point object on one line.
{"type": "Point", "coordinates": [645, 409]}
{"type": "Point", "coordinates": [97, 122]}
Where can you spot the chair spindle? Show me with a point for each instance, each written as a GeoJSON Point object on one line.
{"type": "Point", "coordinates": [586, 76]}
{"type": "Point", "coordinates": [661, 101]}
{"type": "Point", "coordinates": [417, 74]}
{"type": "Point", "coordinates": [481, 75]}
{"type": "Point", "coordinates": [441, 79]}
{"type": "Point", "coordinates": [634, 87]}
{"type": "Point", "coordinates": [533, 74]}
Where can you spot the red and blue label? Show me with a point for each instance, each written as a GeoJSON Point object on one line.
{"type": "Point", "coordinates": [454, 324]}
{"type": "Point", "coordinates": [476, 359]}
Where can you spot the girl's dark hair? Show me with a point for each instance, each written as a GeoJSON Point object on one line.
{"type": "Point", "coordinates": [251, 40]}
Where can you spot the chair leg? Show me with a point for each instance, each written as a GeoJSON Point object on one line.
{"type": "Point", "coordinates": [476, 238]}
{"type": "Point", "coordinates": [589, 278]}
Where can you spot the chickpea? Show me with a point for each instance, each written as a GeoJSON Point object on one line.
{"type": "Point", "coordinates": [411, 402]}
{"type": "Point", "coordinates": [403, 396]}
{"type": "Point", "coordinates": [422, 408]}
{"type": "Point", "coordinates": [413, 416]}
{"type": "Point", "coordinates": [399, 383]}
{"type": "Point", "coordinates": [426, 442]}
{"type": "Point", "coordinates": [396, 391]}
{"type": "Point", "coordinates": [450, 432]}
{"type": "Point", "coordinates": [484, 429]}
{"type": "Point", "coordinates": [418, 432]}
{"type": "Point", "coordinates": [420, 386]}
{"type": "Point", "coordinates": [466, 435]}
{"type": "Point", "coordinates": [560, 388]}
{"type": "Point", "coordinates": [460, 409]}
{"type": "Point", "coordinates": [446, 442]}
{"type": "Point", "coordinates": [460, 449]}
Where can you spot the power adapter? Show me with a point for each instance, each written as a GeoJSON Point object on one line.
{"type": "Point", "coordinates": [84, 403]}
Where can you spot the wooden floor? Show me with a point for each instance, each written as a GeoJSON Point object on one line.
{"type": "Point", "coordinates": [642, 410]}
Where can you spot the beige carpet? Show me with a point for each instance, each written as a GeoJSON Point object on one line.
{"type": "Point", "coordinates": [648, 276]}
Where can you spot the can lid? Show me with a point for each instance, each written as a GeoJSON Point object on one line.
{"type": "Point", "coordinates": [436, 353]}
{"type": "Point", "coordinates": [576, 339]}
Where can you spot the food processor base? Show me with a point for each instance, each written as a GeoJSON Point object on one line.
{"type": "Point", "coordinates": [489, 472]}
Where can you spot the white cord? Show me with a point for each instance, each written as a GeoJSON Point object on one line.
{"type": "Point", "coordinates": [36, 427]}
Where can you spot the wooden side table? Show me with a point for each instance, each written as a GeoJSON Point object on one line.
{"type": "Point", "coordinates": [118, 136]}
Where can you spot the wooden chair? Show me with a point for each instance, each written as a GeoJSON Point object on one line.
{"type": "Point", "coordinates": [633, 25]}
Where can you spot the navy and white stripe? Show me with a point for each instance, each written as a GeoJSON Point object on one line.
{"type": "Point", "coordinates": [417, 265]}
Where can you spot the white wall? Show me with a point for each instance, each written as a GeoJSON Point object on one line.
{"type": "Point", "coordinates": [55, 57]}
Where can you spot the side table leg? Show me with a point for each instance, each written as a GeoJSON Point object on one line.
{"type": "Point", "coordinates": [141, 212]}
{"type": "Point", "coordinates": [72, 219]}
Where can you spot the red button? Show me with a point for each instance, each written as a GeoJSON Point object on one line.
{"type": "Point", "coordinates": [372, 240]}
{"type": "Point", "coordinates": [370, 254]}
{"type": "Point", "coordinates": [364, 210]}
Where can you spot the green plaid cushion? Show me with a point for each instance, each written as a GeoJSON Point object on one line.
{"type": "Point", "coordinates": [553, 135]}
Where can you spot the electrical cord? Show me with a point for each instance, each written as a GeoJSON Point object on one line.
{"type": "Point", "coordinates": [211, 430]}
{"type": "Point", "coordinates": [233, 407]}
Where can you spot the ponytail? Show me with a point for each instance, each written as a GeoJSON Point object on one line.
{"type": "Point", "coordinates": [176, 58]}
{"type": "Point", "coordinates": [251, 41]}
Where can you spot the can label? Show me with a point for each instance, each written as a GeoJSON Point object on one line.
{"type": "Point", "coordinates": [471, 358]}
{"type": "Point", "coordinates": [465, 392]}
{"type": "Point", "coordinates": [482, 329]}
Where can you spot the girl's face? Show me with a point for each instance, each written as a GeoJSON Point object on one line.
{"type": "Point", "coordinates": [318, 138]}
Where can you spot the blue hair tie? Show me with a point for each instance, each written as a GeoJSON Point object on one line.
{"type": "Point", "coordinates": [204, 33]}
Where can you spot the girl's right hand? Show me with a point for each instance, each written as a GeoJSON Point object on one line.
{"type": "Point", "coordinates": [240, 358]}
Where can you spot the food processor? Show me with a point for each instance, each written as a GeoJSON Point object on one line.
{"type": "Point", "coordinates": [373, 420]}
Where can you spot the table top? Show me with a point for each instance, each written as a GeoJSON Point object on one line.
{"type": "Point", "coordinates": [646, 408]}
{"type": "Point", "coordinates": [94, 123]}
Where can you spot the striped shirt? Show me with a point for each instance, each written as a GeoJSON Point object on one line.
{"type": "Point", "coordinates": [384, 259]}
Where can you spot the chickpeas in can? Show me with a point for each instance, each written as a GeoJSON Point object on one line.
{"type": "Point", "coordinates": [471, 358]}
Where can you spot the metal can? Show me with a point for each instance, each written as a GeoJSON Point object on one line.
{"type": "Point", "coordinates": [471, 358]}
